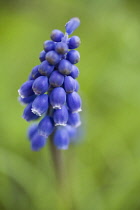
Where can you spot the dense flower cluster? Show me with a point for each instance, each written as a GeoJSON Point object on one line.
{"type": "Point", "coordinates": [51, 91]}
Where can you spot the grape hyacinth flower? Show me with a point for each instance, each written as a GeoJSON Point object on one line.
{"type": "Point", "coordinates": [51, 91]}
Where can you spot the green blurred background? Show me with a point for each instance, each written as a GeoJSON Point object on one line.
{"type": "Point", "coordinates": [103, 172]}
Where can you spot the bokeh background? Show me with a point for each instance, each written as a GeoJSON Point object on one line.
{"type": "Point", "coordinates": [103, 170]}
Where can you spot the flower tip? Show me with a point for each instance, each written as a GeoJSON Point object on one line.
{"type": "Point", "coordinates": [62, 124]}
{"type": "Point", "coordinates": [63, 147]}
{"type": "Point", "coordinates": [20, 94]}
{"type": "Point", "coordinates": [35, 111]}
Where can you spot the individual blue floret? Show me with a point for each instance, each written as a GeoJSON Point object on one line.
{"type": "Point", "coordinates": [28, 115]}
{"type": "Point", "coordinates": [69, 84]}
{"type": "Point", "coordinates": [49, 45]}
{"type": "Point", "coordinates": [74, 119]}
{"type": "Point", "coordinates": [46, 126]}
{"type": "Point", "coordinates": [73, 56]}
{"type": "Point", "coordinates": [42, 56]}
{"type": "Point", "coordinates": [56, 35]}
{"type": "Point", "coordinates": [26, 100]}
{"type": "Point", "coordinates": [72, 25]}
{"type": "Point", "coordinates": [40, 104]}
{"type": "Point", "coordinates": [40, 85]}
{"type": "Point", "coordinates": [57, 97]}
{"type": "Point", "coordinates": [56, 79]}
{"type": "Point", "coordinates": [32, 130]}
{"type": "Point", "coordinates": [65, 67]}
{"type": "Point", "coordinates": [74, 42]}
{"type": "Point", "coordinates": [75, 72]}
{"type": "Point", "coordinates": [74, 102]}
{"type": "Point", "coordinates": [60, 116]}
{"type": "Point", "coordinates": [26, 89]}
{"type": "Point", "coordinates": [61, 48]}
{"type": "Point", "coordinates": [45, 68]}
{"type": "Point", "coordinates": [37, 142]}
{"type": "Point", "coordinates": [61, 138]}
{"type": "Point", "coordinates": [53, 57]}
{"type": "Point", "coordinates": [34, 73]}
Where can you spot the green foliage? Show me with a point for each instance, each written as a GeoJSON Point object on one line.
{"type": "Point", "coordinates": [104, 169]}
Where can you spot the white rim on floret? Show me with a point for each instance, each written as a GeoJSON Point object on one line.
{"type": "Point", "coordinates": [43, 134]}
{"type": "Point", "coordinates": [35, 111]}
{"type": "Point", "coordinates": [22, 96]}
{"type": "Point", "coordinates": [57, 107]}
{"type": "Point", "coordinates": [63, 124]}
{"type": "Point", "coordinates": [63, 147]}
{"type": "Point", "coordinates": [78, 110]}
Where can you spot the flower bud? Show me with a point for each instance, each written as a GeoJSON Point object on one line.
{"type": "Point", "coordinates": [69, 84]}
{"type": "Point", "coordinates": [40, 85]}
{"type": "Point", "coordinates": [74, 42]}
{"type": "Point", "coordinates": [42, 56]}
{"type": "Point", "coordinates": [61, 138]}
{"type": "Point", "coordinates": [45, 68]}
{"type": "Point", "coordinates": [34, 73]}
{"type": "Point", "coordinates": [26, 89]}
{"type": "Point", "coordinates": [32, 130]}
{"type": "Point", "coordinates": [56, 79]}
{"type": "Point", "coordinates": [26, 100]}
{"type": "Point", "coordinates": [76, 86]}
{"type": "Point", "coordinates": [37, 142]}
{"type": "Point", "coordinates": [40, 105]}
{"type": "Point", "coordinates": [74, 102]}
{"type": "Point", "coordinates": [65, 67]}
{"type": "Point", "coordinates": [56, 35]}
{"type": "Point", "coordinates": [72, 132]}
{"type": "Point", "coordinates": [57, 97]}
{"type": "Point", "coordinates": [60, 116]}
{"type": "Point", "coordinates": [61, 48]}
{"type": "Point", "coordinates": [72, 25]}
{"type": "Point", "coordinates": [28, 115]}
{"type": "Point", "coordinates": [74, 119]}
{"type": "Point", "coordinates": [75, 72]}
{"type": "Point", "coordinates": [52, 57]}
{"type": "Point", "coordinates": [46, 126]}
{"type": "Point", "coordinates": [49, 45]}
{"type": "Point", "coordinates": [73, 56]}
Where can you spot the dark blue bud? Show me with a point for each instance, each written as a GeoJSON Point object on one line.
{"type": "Point", "coordinates": [34, 73]}
{"type": "Point", "coordinates": [69, 84]}
{"type": "Point", "coordinates": [46, 126]}
{"type": "Point", "coordinates": [72, 132]}
{"type": "Point", "coordinates": [40, 85]}
{"type": "Point", "coordinates": [61, 48]}
{"type": "Point", "coordinates": [26, 100]}
{"type": "Point", "coordinates": [74, 102]}
{"type": "Point", "coordinates": [73, 56]}
{"type": "Point", "coordinates": [56, 35]}
{"type": "Point", "coordinates": [65, 67]}
{"type": "Point", "coordinates": [60, 116]}
{"type": "Point", "coordinates": [37, 142]}
{"type": "Point", "coordinates": [56, 79]}
{"type": "Point", "coordinates": [61, 138]}
{"type": "Point", "coordinates": [52, 57]}
{"type": "Point", "coordinates": [45, 68]}
{"type": "Point", "coordinates": [72, 25]}
{"type": "Point", "coordinates": [74, 42]}
{"type": "Point", "coordinates": [42, 56]}
{"type": "Point", "coordinates": [40, 104]}
{"type": "Point", "coordinates": [26, 89]}
{"type": "Point", "coordinates": [75, 72]}
{"type": "Point", "coordinates": [57, 97]}
{"type": "Point", "coordinates": [32, 130]}
{"type": "Point", "coordinates": [49, 45]}
{"type": "Point", "coordinates": [74, 119]}
{"type": "Point", "coordinates": [76, 86]}
{"type": "Point", "coordinates": [28, 115]}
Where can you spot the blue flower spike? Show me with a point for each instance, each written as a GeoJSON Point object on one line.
{"type": "Point", "coordinates": [50, 94]}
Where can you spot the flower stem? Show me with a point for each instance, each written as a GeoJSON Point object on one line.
{"type": "Point", "coordinates": [58, 161]}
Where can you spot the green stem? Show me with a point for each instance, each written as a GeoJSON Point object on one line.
{"type": "Point", "coordinates": [58, 161]}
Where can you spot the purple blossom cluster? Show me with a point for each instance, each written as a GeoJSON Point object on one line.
{"type": "Point", "coordinates": [50, 93]}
